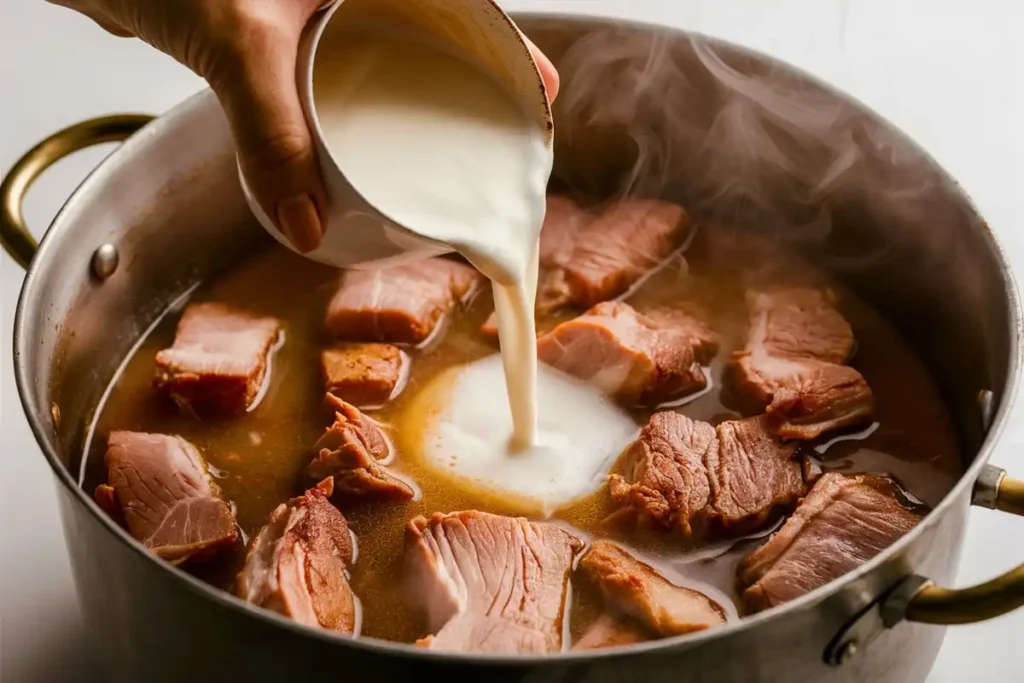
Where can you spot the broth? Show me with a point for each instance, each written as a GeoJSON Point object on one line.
{"type": "Point", "coordinates": [258, 460]}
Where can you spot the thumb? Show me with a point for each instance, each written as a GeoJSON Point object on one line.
{"type": "Point", "coordinates": [258, 92]}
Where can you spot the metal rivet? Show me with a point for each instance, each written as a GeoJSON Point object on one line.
{"type": "Point", "coordinates": [847, 651]}
{"type": "Point", "coordinates": [104, 261]}
{"type": "Point", "coordinates": [986, 404]}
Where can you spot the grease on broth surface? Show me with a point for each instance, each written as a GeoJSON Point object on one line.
{"type": "Point", "coordinates": [259, 459]}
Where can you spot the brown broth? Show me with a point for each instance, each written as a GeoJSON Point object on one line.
{"type": "Point", "coordinates": [259, 459]}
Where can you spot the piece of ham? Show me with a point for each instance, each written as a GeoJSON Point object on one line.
{"type": "Point", "coordinates": [220, 360]}
{"type": "Point", "coordinates": [799, 322]}
{"type": "Point", "coordinates": [843, 522]}
{"type": "Point", "coordinates": [399, 305]}
{"type": "Point", "coordinates": [297, 564]}
{"type": "Point", "coordinates": [161, 489]}
{"type": "Point", "coordinates": [354, 452]}
{"type": "Point", "coordinates": [634, 589]}
{"type": "Point", "coordinates": [805, 397]}
{"type": "Point", "coordinates": [588, 257]}
{"type": "Point", "coordinates": [491, 584]}
{"type": "Point", "coordinates": [365, 375]}
{"type": "Point", "coordinates": [690, 477]}
{"type": "Point", "coordinates": [634, 358]}
{"type": "Point", "coordinates": [793, 364]}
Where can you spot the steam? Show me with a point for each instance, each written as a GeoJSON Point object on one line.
{"type": "Point", "coordinates": [739, 141]}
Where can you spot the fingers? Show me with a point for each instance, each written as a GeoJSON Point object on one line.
{"type": "Point", "coordinates": [547, 70]}
{"type": "Point", "coordinates": [258, 92]}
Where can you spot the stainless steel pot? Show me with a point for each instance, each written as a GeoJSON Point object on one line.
{"type": "Point", "coordinates": [733, 135]}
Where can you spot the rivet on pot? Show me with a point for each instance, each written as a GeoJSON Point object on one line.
{"type": "Point", "coordinates": [104, 261]}
{"type": "Point", "coordinates": [847, 651]}
{"type": "Point", "coordinates": [986, 404]}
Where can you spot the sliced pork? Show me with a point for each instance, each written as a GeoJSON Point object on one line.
{"type": "Point", "coordinates": [353, 452]}
{"type": "Point", "coordinates": [793, 364]}
{"type": "Point", "coordinates": [805, 397]}
{"type": "Point", "coordinates": [589, 257]}
{"type": "Point", "coordinates": [164, 494]}
{"type": "Point", "coordinates": [399, 305]}
{"type": "Point", "coordinates": [753, 475]}
{"type": "Point", "coordinates": [663, 475]}
{"type": "Point", "coordinates": [613, 250]}
{"type": "Point", "coordinates": [365, 375]}
{"type": "Point", "coordinates": [843, 522]}
{"type": "Point", "coordinates": [297, 563]}
{"type": "Point", "coordinates": [799, 323]}
{"type": "Point", "coordinates": [635, 589]}
{"type": "Point", "coordinates": [637, 359]}
{"type": "Point", "coordinates": [691, 477]}
{"type": "Point", "coordinates": [491, 584]}
{"type": "Point", "coordinates": [220, 360]}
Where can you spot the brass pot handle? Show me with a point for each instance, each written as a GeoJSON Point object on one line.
{"type": "Point", "coordinates": [935, 605]}
{"type": "Point", "coordinates": [14, 234]}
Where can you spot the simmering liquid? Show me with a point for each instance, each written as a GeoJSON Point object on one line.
{"type": "Point", "coordinates": [440, 148]}
{"type": "Point", "coordinates": [259, 458]}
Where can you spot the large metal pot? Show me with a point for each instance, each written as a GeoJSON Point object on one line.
{"type": "Point", "coordinates": [642, 109]}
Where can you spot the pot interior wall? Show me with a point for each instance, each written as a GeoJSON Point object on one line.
{"type": "Point", "coordinates": [738, 139]}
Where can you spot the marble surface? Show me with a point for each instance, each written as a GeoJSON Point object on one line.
{"type": "Point", "coordinates": [947, 71]}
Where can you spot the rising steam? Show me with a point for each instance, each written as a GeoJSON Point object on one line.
{"type": "Point", "coordinates": [739, 141]}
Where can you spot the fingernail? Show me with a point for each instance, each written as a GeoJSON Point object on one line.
{"type": "Point", "coordinates": [300, 222]}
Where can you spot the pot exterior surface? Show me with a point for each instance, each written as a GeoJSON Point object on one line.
{"type": "Point", "coordinates": [152, 627]}
{"type": "Point", "coordinates": [867, 204]}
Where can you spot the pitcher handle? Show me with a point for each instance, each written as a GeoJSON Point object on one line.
{"type": "Point", "coordinates": [15, 236]}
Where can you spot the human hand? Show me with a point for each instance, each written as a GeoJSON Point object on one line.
{"type": "Point", "coordinates": [247, 50]}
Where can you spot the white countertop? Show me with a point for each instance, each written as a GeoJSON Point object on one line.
{"type": "Point", "coordinates": [950, 72]}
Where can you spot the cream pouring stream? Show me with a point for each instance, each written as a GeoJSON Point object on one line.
{"type": "Point", "coordinates": [441, 148]}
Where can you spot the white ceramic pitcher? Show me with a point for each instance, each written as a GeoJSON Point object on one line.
{"type": "Point", "coordinates": [356, 233]}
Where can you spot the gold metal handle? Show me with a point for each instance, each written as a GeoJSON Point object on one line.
{"type": "Point", "coordinates": [935, 605]}
{"type": "Point", "coordinates": [14, 234]}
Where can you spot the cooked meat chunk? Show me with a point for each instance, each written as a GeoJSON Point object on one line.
{"type": "Point", "coordinates": [491, 584]}
{"type": "Point", "coordinates": [792, 364]}
{"type": "Point", "coordinates": [296, 564]}
{"type": "Point", "coordinates": [587, 258]}
{"type": "Point", "coordinates": [638, 591]}
{"type": "Point", "coordinates": [166, 496]}
{"type": "Point", "coordinates": [220, 360]}
{"type": "Point", "coordinates": [843, 522]}
{"type": "Point", "coordinates": [365, 375]}
{"type": "Point", "coordinates": [663, 475]}
{"type": "Point", "coordinates": [354, 451]}
{"type": "Point", "coordinates": [752, 474]}
{"type": "Point", "coordinates": [806, 398]}
{"type": "Point", "coordinates": [684, 475]}
{"type": "Point", "coordinates": [799, 323]}
{"type": "Point", "coordinates": [399, 305]}
{"type": "Point", "coordinates": [610, 630]}
{"type": "Point", "coordinates": [613, 250]}
{"type": "Point", "coordinates": [629, 356]}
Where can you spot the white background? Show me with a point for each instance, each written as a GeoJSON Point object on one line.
{"type": "Point", "coordinates": [950, 72]}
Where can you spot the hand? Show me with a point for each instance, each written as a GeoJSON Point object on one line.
{"type": "Point", "coordinates": [246, 51]}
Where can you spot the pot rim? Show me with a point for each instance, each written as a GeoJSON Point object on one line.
{"type": "Point", "coordinates": [59, 228]}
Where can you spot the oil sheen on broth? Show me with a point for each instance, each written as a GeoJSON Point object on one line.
{"type": "Point", "coordinates": [259, 459]}
{"type": "Point", "coordinates": [442, 149]}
